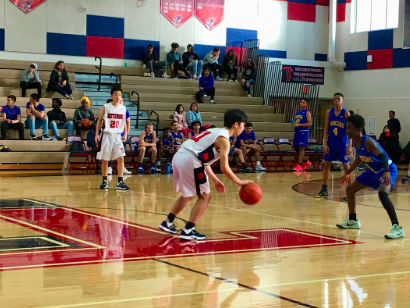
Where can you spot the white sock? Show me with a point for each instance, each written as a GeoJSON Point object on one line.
{"type": "Point", "coordinates": [258, 163]}
{"type": "Point", "coordinates": [408, 172]}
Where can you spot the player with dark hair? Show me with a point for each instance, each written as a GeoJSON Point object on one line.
{"type": "Point", "coordinates": [192, 167]}
{"type": "Point", "coordinates": [380, 176]}
{"type": "Point", "coordinates": [337, 146]}
{"type": "Point", "coordinates": [303, 120]}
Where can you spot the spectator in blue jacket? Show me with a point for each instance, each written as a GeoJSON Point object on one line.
{"type": "Point", "coordinates": [248, 76]}
{"type": "Point", "coordinates": [206, 86]}
{"type": "Point", "coordinates": [175, 62]}
{"type": "Point", "coordinates": [193, 115]}
{"type": "Point", "coordinates": [11, 118]}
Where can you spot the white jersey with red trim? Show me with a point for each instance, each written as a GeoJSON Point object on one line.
{"type": "Point", "coordinates": [114, 118]}
{"type": "Point", "coordinates": [202, 145]}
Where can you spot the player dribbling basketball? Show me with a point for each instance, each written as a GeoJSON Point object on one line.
{"type": "Point", "coordinates": [192, 166]}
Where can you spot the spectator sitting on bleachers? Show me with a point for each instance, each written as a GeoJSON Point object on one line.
{"type": "Point", "coordinates": [36, 117]}
{"type": "Point", "coordinates": [165, 145]}
{"type": "Point", "coordinates": [57, 119]}
{"type": "Point", "coordinates": [30, 80]}
{"type": "Point", "coordinates": [11, 118]}
{"type": "Point", "coordinates": [193, 115]}
{"type": "Point", "coordinates": [59, 81]}
{"type": "Point", "coordinates": [150, 60]}
{"type": "Point", "coordinates": [191, 59]}
{"type": "Point", "coordinates": [180, 118]}
{"type": "Point", "coordinates": [147, 144]}
{"type": "Point", "coordinates": [174, 60]}
{"type": "Point", "coordinates": [239, 153]}
{"type": "Point", "coordinates": [211, 60]}
{"type": "Point", "coordinates": [196, 129]}
{"type": "Point", "coordinates": [83, 115]}
{"type": "Point", "coordinates": [248, 76]}
{"type": "Point", "coordinates": [177, 136]}
{"type": "Point", "coordinates": [230, 65]}
{"type": "Point", "coordinates": [247, 142]}
{"type": "Point", "coordinates": [206, 86]}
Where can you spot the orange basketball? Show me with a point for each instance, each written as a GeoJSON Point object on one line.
{"type": "Point", "coordinates": [86, 123]}
{"type": "Point", "coordinates": [250, 193]}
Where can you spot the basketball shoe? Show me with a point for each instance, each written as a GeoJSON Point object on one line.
{"type": "Point", "coordinates": [405, 179]}
{"type": "Point", "coordinates": [168, 226]}
{"type": "Point", "coordinates": [323, 193]}
{"type": "Point", "coordinates": [306, 165]}
{"type": "Point", "coordinates": [104, 185]}
{"type": "Point", "coordinates": [191, 234]}
{"type": "Point", "coordinates": [395, 232]}
{"type": "Point", "coordinates": [349, 224]}
{"type": "Point", "coordinates": [297, 168]}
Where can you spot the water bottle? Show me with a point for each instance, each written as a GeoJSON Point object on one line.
{"type": "Point", "coordinates": [292, 121]}
{"type": "Point", "coordinates": [168, 168]}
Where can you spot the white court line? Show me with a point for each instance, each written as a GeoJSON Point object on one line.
{"type": "Point", "coordinates": [138, 299]}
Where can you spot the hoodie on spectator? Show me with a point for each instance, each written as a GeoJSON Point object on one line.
{"type": "Point", "coordinates": [208, 58]}
{"type": "Point", "coordinates": [31, 78]}
{"type": "Point", "coordinates": [186, 56]}
{"type": "Point", "coordinates": [206, 82]}
{"type": "Point", "coordinates": [81, 114]}
{"type": "Point", "coordinates": [149, 57]}
{"type": "Point", "coordinates": [57, 114]}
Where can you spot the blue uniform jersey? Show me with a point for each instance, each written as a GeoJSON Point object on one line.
{"type": "Point", "coordinates": [166, 142]}
{"type": "Point", "coordinates": [246, 138]}
{"type": "Point", "coordinates": [300, 118]}
{"type": "Point", "coordinates": [177, 138]}
{"type": "Point", "coordinates": [148, 138]}
{"type": "Point", "coordinates": [337, 124]}
{"type": "Point", "coordinates": [369, 158]}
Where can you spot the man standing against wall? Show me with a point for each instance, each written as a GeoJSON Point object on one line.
{"type": "Point", "coordinates": [394, 126]}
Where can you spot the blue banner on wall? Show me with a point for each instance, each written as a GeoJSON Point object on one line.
{"type": "Point", "coordinates": [303, 74]}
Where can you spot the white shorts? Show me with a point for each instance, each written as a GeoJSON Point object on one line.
{"type": "Point", "coordinates": [189, 175]}
{"type": "Point", "coordinates": [111, 147]}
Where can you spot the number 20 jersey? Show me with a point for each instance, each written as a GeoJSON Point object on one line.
{"type": "Point", "coordinates": [202, 146]}
{"type": "Point", "coordinates": [114, 118]}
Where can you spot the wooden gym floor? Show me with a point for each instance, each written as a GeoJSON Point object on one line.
{"type": "Point", "coordinates": [65, 243]}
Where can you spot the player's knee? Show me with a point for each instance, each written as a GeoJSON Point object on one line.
{"type": "Point", "coordinates": [383, 196]}
{"type": "Point", "coordinates": [350, 190]}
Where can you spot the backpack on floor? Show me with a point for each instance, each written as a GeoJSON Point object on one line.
{"type": "Point", "coordinates": [4, 148]}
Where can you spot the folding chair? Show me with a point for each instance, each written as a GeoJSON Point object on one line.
{"type": "Point", "coordinates": [314, 156]}
{"type": "Point", "coordinates": [82, 152]}
{"type": "Point", "coordinates": [268, 152]}
{"type": "Point", "coordinates": [286, 150]}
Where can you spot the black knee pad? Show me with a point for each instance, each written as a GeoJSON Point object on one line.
{"type": "Point", "coordinates": [383, 196]}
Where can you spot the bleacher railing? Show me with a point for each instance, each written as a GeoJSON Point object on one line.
{"type": "Point", "coordinates": [250, 50]}
{"type": "Point", "coordinates": [99, 68]}
{"type": "Point", "coordinates": [317, 130]}
{"type": "Point", "coordinates": [138, 105]}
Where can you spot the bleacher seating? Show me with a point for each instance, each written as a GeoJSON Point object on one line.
{"type": "Point", "coordinates": [157, 94]}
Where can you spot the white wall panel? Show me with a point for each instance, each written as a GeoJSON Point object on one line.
{"type": "Point", "coordinates": [140, 21]}
{"type": "Point", "coordinates": [322, 29]}
{"type": "Point", "coordinates": [398, 33]}
{"type": "Point", "coordinates": [25, 33]}
{"type": "Point", "coordinates": [183, 35]}
{"type": "Point", "coordinates": [300, 40]}
{"type": "Point", "coordinates": [340, 40]}
{"type": "Point", "coordinates": [110, 8]}
{"type": "Point", "coordinates": [242, 14]}
{"type": "Point", "coordinates": [2, 7]}
{"type": "Point", "coordinates": [272, 24]}
{"type": "Point", "coordinates": [73, 13]}
{"type": "Point", "coordinates": [215, 37]}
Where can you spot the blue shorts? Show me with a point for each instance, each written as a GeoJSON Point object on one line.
{"type": "Point", "coordinates": [373, 180]}
{"type": "Point", "coordinates": [337, 150]}
{"type": "Point", "coordinates": [300, 139]}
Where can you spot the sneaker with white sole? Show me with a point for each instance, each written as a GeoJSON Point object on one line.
{"type": "Point", "coordinates": [66, 96]}
{"type": "Point", "coordinates": [395, 232]}
{"type": "Point", "coordinates": [168, 226]}
{"type": "Point", "coordinates": [46, 137]}
{"type": "Point", "coordinates": [191, 234]}
{"type": "Point", "coordinates": [71, 96]}
{"type": "Point", "coordinates": [405, 179]}
{"type": "Point", "coordinates": [349, 224]}
{"type": "Point", "coordinates": [195, 77]}
{"type": "Point", "coordinates": [212, 101]}
{"type": "Point", "coordinates": [121, 186]}
{"type": "Point", "coordinates": [165, 75]}
{"type": "Point", "coordinates": [259, 168]}
{"type": "Point", "coordinates": [33, 137]}
{"type": "Point", "coordinates": [140, 170]}
{"type": "Point", "coordinates": [104, 185]}
{"type": "Point", "coordinates": [218, 78]}
{"type": "Point", "coordinates": [109, 171]}
{"type": "Point", "coordinates": [127, 172]}
{"type": "Point", "coordinates": [152, 74]}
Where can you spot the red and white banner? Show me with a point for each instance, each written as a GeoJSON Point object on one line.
{"type": "Point", "coordinates": [177, 11]}
{"type": "Point", "coordinates": [210, 12]}
{"type": "Point", "coordinates": [27, 5]}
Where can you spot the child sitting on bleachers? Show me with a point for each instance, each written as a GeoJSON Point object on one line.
{"type": "Point", "coordinates": [247, 142]}
{"type": "Point", "coordinates": [177, 136]}
{"type": "Point", "coordinates": [196, 125]}
{"type": "Point", "coordinates": [165, 146]}
{"type": "Point", "coordinates": [147, 144]}
{"type": "Point", "coordinates": [238, 152]}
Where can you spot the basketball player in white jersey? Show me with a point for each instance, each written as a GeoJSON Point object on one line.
{"type": "Point", "coordinates": [114, 116]}
{"type": "Point", "coordinates": [192, 167]}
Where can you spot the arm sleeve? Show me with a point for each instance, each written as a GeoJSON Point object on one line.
{"type": "Point", "coordinates": [145, 58]}
{"type": "Point", "coordinates": [75, 118]}
{"type": "Point", "coordinates": [200, 82]}
{"type": "Point", "coordinates": [63, 118]}
{"type": "Point", "coordinates": [65, 77]}
{"type": "Point", "coordinates": [50, 116]}
{"type": "Point", "coordinates": [199, 117]}
{"type": "Point", "coordinates": [190, 117]}
{"type": "Point", "coordinates": [92, 118]}
{"type": "Point", "coordinates": [384, 160]}
{"type": "Point", "coordinates": [53, 80]}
